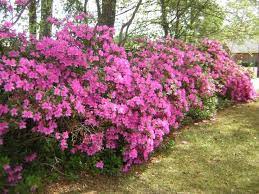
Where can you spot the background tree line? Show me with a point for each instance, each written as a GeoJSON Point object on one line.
{"type": "Point", "coordinates": [183, 19]}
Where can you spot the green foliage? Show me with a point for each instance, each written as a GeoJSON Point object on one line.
{"type": "Point", "coordinates": [29, 183]}
{"type": "Point", "coordinates": [195, 19]}
{"type": "Point", "coordinates": [3, 160]}
{"type": "Point", "coordinates": [223, 102]}
{"type": "Point", "coordinates": [191, 19]}
{"type": "Point", "coordinates": [168, 144]}
{"type": "Point", "coordinates": [73, 6]}
{"type": "Point", "coordinates": [112, 162]}
{"type": "Point", "coordinates": [241, 21]}
{"type": "Point", "coordinates": [207, 111]}
{"type": "Point", "coordinates": [53, 164]}
{"type": "Point", "coordinates": [248, 64]}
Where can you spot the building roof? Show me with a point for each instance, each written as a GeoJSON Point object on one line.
{"type": "Point", "coordinates": [248, 46]}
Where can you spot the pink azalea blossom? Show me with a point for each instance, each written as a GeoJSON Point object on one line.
{"type": "Point", "coordinates": [100, 165]}
{"type": "Point", "coordinates": [30, 157]}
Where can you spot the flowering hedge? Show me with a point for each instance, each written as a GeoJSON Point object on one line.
{"type": "Point", "coordinates": [85, 92]}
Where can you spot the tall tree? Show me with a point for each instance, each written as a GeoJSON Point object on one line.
{"type": "Point", "coordinates": [33, 17]}
{"type": "Point", "coordinates": [242, 21]}
{"type": "Point", "coordinates": [46, 11]}
{"type": "Point", "coordinates": [164, 21]}
{"type": "Point", "coordinates": [106, 12]}
{"type": "Point", "coordinates": [185, 18]}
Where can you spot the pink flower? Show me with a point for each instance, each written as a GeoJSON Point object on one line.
{"type": "Point", "coordinates": [27, 114]}
{"type": "Point", "coordinates": [133, 154]}
{"type": "Point", "coordinates": [63, 144]}
{"type": "Point", "coordinates": [3, 128]}
{"type": "Point", "coordinates": [38, 96]}
{"type": "Point", "coordinates": [21, 2]}
{"type": "Point", "coordinates": [14, 54]}
{"type": "Point", "coordinates": [3, 109]}
{"type": "Point", "coordinates": [30, 157]}
{"type": "Point", "coordinates": [37, 117]}
{"type": "Point", "coordinates": [22, 125]}
{"type": "Point", "coordinates": [14, 173]}
{"type": "Point", "coordinates": [10, 62]}
{"type": "Point", "coordinates": [14, 112]}
{"type": "Point", "coordinates": [3, 2]}
{"type": "Point", "coordinates": [100, 164]}
{"type": "Point", "coordinates": [53, 20]}
{"type": "Point", "coordinates": [9, 87]}
{"type": "Point", "coordinates": [65, 135]}
{"type": "Point", "coordinates": [6, 167]}
{"type": "Point", "coordinates": [57, 136]}
{"type": "Point", "coordinates": [7, 24]}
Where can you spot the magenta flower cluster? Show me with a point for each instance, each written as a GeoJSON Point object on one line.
{"type": "Point", "coordinates": [14, 173]}
{"type": "Point", "coordinates": [85, 91]}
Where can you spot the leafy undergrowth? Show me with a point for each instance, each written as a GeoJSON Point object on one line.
{"type": "Point", "coordinates": [221, 155]}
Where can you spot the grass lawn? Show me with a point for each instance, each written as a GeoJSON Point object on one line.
{"type": "Point", "coordinates": [221, 155]}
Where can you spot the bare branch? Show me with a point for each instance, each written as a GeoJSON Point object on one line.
{"type": "Point", "coordinates": [21, 12]}
{"type": "Point", "coordinates": [126, 25]}
{"type": "Point", "coordinates": [126, 11]}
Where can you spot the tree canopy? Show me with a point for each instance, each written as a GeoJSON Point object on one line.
{"type": "Point", "coordinates": [181, 19]}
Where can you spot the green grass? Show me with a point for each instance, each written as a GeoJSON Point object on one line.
{"type": "Point", "coordinates": [220, 156]}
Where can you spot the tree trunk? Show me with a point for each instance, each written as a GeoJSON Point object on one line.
{"type": "Point", "coordinates": [107, 15]}
{"type": "Point", "coordinates": [85, 6]}
{"type": "Point", "coordinates": [177, 22]}
{"type": "Point", "coordinates": [164, 23]}
{"type": "Point", "coordinates": [32, 17]}
{"type": "Point", "coordinates": [46, 11]}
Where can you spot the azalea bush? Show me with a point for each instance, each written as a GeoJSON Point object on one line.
{"type": "Point", "coordinates": [81, 93]}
